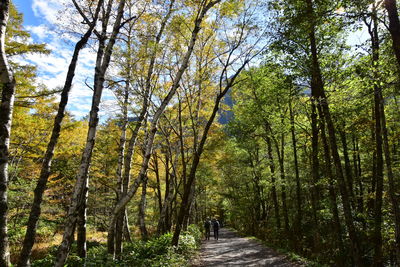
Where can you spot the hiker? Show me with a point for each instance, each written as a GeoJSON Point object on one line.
{"type": "Point", "coordinates": [207, 228]}
{"type": "Point", "coordinates": [216, 228]}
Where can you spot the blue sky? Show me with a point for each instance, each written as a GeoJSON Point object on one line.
{"type": "Point", "coordinates": [42, 20]}
{"type": "Point", "coordinates": [25, 7]}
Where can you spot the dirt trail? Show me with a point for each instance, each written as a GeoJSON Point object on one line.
{"type": "Point", "coordinates": [232, 250]}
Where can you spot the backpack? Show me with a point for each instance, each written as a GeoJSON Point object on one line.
{"type": "Point", "coordinates": [216, 225]}
{"type": "Point", "coordinates": [207, 224]}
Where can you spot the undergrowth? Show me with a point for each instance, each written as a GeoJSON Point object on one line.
{"type": "Point", "coordinates": [154, 252]}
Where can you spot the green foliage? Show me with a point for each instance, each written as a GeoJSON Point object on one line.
{"type": "Point", "coordinates": [194, 231]}
{"type": "Point", "coordinates": [155, 252]}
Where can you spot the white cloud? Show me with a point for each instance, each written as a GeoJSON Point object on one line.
{"type": "Point", "coordinates": [48, 10]}
{"type": "Point", "coordinates": [41, 31]}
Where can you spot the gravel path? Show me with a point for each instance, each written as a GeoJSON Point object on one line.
{"type": "Point", "coordinates": [232, 250]}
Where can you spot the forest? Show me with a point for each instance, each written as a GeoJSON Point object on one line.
{"type": "Point", "coordinates": [280, 118]}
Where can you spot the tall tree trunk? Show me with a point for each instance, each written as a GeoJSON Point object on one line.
{"type": "Point", "coordinates": [162, 226]}
{"type": "Point", "coordinates": [45, 169]}
{"type": "Point", "coordinates": [183, 158]}
{"type": "Point", "coordinates": [81, 226]}
{"type": "Point", "coordinates": [273, 182]}
{"type": "Point", "coordinates": [342, 185]}
{"type": "Point", "coordinates": [347, 166]}
{"type": "Point", "coordinates": [142, 211]}
{"type": "Point", "coordinates": [283, 181]}
{"type": "Point", "coordinates": [357, 175]}
{"type": "Point", "coordinates": [299, 214]}
{"type": "Point", "coordinates": [169, 183]}
{"type": "Point", "coordinates": [182, 142]}
{"type": "Point", "coordinates": [281, 160]}
{"type": "Point", "coordinates": [79, 193]}
{"type": "Point", "coordinates": [315, 188]}
{"type": "Point", "coordinates": [372, 185]}
{"type": "Point", "coordinates": [127, 232]}
{"type": "Point", "coordinates": [271, 163]}
{"type": "Point", "coordinates": [318, 92]}
{"type": "Point", "coordinates": [7, 85]}
{"type": "Point", "coordinates": [192, 196]}
{"type": "Point", "coordinates": [119, 228]}
{"type": "Point", "coordinates": [332, 196]}
{"type": "Point", "coordinates": [394, 26]}
{"type": "Point", "coordinates": [392, 185]}
{"type": "Point", "coordinates": [158, 182]}
{"type": "Point", "coordinates": [257, 202]}
{"type": "Point", "coordinates": [377, 235]}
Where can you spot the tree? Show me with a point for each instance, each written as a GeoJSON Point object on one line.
{"type": "Point", "coordinates": [394, 26]}
{"type": "Point", "coordinates": [7, 86]}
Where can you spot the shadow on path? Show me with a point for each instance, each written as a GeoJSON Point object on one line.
{"type": "Point", "coordinates": [232, 250]}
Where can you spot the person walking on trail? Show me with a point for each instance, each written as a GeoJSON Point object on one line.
{"type": "Point", "coordinates": [207, 228]}
{"type": "Point", "coordinates": [216, 228]}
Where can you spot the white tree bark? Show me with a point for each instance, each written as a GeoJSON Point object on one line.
{"type": "Point", "coordinates": [7, 88]}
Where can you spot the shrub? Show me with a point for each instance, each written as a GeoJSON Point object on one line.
{"type": "Point", "coordinates": [187, 244]}
{"type": "Point", "coordinates": [194, 230]}
{"type": "Point", "coordinates": [155, 252]}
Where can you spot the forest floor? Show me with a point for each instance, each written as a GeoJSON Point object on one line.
{"type": "Point", "coordinates": [233, 250]}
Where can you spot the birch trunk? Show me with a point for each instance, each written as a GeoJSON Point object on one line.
{"type": "Point", "coordinates": [127, 232]}
{"type": "Point", "coordinates": [121, 151]}
{"type": "Point", "coordinates": [7, 86]}
{"type": "Point", "coordinates": [79, 193]}
{"type": "Point", "coordinates": [81, 225]}
{"type": "Point", "coordinates": [47, 160]}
